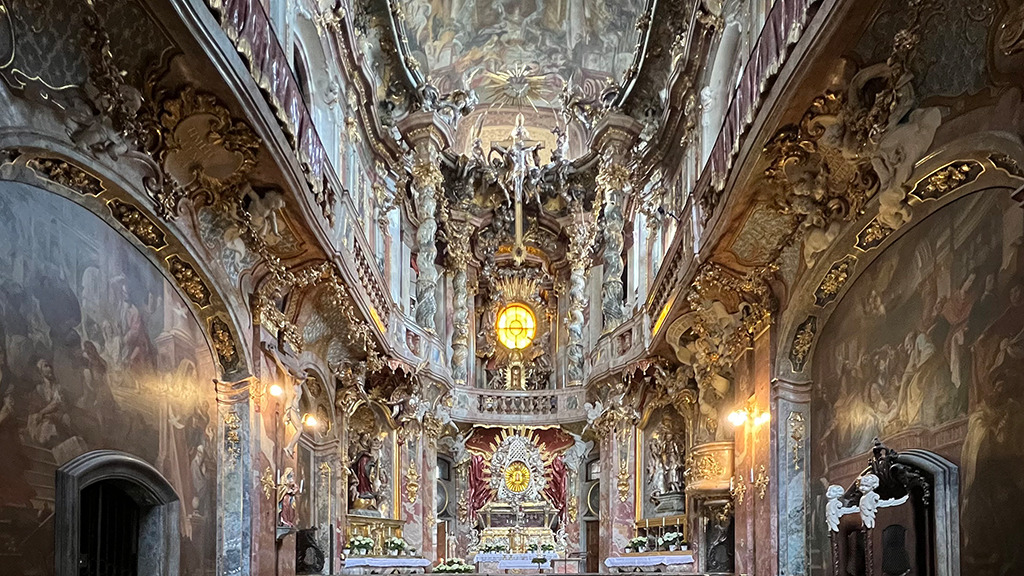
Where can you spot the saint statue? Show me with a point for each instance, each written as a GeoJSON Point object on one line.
{"type": "Point", "coordinates": [287, 494]}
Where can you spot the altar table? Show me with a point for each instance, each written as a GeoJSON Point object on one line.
{"type": "Point", "coordinates": [514, 561]}
{"type": "Point", "coordinates": [660, 562]}
{"type": "Point", "coordinates": [384, 565]}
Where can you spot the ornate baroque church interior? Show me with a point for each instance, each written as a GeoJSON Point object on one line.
{"type": "Point", "coordinates": [727, 287]}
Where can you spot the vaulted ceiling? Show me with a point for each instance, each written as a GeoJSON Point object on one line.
{"type": "Point", "coordinates": [521, 52]}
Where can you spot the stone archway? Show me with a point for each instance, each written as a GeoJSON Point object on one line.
{"type": "Point", "coordinates": [156, 500]}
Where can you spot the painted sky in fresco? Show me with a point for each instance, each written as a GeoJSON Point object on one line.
{"type": "Point", "coordinates": [542, 42]}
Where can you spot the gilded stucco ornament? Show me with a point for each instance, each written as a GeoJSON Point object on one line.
{"type": "Point", "coordinates": [738, 489]}
{"type": "Point", "coordinates": [205, 153]}
{"type": "Point", "coordinates": [873, 234]}
{"type": "Point", "coordinates": [190, 282]}
{"type": "Point", "coordinates": [850, 146]}
{"type": "Point", "coordinates": [834, 280]}
{"type": "Point", "coordinates": [711, 337]}
{"type": "Point", "coordinates": [67, 175]}
{"type": "Point", "coordinates": [136, 222]}
{"type": "Point", "coordinates": [796, 434]}
{"type": "Point", "coordinates": [947, 179]}
{"type": "Point", "coordinates": [623, 480]}
{"type": "Point", "coordinates": [802, 342]}
{"type": "Point", "coordinates": [231, 437]}
{"type": "Point", "coordinates": [412, 483]}
{"type": "Point", "coordinates": [761, 482]}
{"type": "Point", "coordinates": [267, 483]}
{"type": "Point", "coordinates": [224, 344]}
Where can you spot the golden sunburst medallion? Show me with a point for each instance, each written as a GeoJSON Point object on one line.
{"type": "Point", "coordinates": [516, 326]}
{"type": "Point", "coordinates": [517, 477]}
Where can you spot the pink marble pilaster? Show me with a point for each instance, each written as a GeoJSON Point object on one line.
{"type": "Point", "coordinates": [618, 514]}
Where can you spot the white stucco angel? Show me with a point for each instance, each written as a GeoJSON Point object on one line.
{"type": "Point", "coordinates": [834, 509]}
{"type": "Point", "coordinates": [869, 499]}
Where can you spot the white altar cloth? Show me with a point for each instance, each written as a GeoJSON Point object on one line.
{"type": "Point", "coordinates": [515, 561]}
{"type": "Point", "coordinates": [649, 560]}
{"type": "Point", "coordinates": [385, 564]}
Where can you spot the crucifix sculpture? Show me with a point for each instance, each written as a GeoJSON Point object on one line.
{"type": "Point", "coordinates": [520, 158]}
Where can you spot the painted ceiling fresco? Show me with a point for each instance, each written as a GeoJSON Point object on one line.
{"type": "Point", "coordinates": [520, 52]}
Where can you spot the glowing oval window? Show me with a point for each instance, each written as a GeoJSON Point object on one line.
{"type": "Point", "coordinates": [516, 326]}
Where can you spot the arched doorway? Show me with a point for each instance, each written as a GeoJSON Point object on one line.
{"type": "Point", "coordinates": [117, 516]}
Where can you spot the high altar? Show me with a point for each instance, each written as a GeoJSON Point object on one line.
{"type": "Point", "coordinates": [522, 491]}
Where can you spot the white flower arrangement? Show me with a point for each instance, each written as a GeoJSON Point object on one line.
{"type": "Point", "coordinates": [495, 547]}
{"type": "Point", "coordinates": [361, 543]}
{"type": "Point", "coordinates": [395, 543]}
{"type": "Point", "coordinates": [532, 547]}
{"type": "Point", "coordinates": [547, 547]}
{"type": "Point", "coordinates": [638, 543]}
{"type": "Point", "coordinates": [672, 538]}
{"type": "Point", "coordinates": [453, 566]}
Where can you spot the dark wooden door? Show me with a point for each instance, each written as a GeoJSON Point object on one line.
{"type": "Point", "coordinates": [441, 550]}
{"type": "Point", "coordinates": [593, 546]}
{"type": "Point", "coordinates": [109, 532]}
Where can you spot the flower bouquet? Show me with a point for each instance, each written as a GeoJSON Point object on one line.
{"type": "Point", "coordinates": [532, 547]}
{"type": "Point", "coordinates": [453, 566]}
{"type": "Point", "coordinates": [394, 545]}
{"type": "Point", "coordinates": [547, 547]}
{"type": "Point", "coordinates": [638, 544]}
{"type": "Point", "coordinates": [672, 540]}
{"type": "Point", "coordinates": [360, 545]}
{"type": "Point", "coordinates": [493, 548]}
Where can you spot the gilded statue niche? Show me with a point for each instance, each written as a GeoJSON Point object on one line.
{"type": "Point", "coordinates": [373, 464]}
{"type": "Point", "coordinates": [514, 333]}
{"type": "Point", "coordinates": [664, 448]}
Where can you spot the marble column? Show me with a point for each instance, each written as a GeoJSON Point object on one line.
{"type": "Point", "coordinates": [613, 183]}
{"type": "Point", "coordinates": [428, 493]}
{"type": "Point", "coordinates": [427, 135]}
{"type": "Point", "coordinates": [463, 522]}
{"type": "Point", "coordinates": [581, 242]}
{"type": "Point", "coordinates": [753, 484]}
{"type": "Point", "coordinates": [234, 480]}
{"type": "Point", "coordinates": [410, 483]}
{"type": "Point", "coordinates": [327, 466]}
{"type": "Point", "coordinates": [791, 402]}
{"type": "Point", "coordinates": [618, 496]}
{"type": "Point", "coordinates": [572, 520]}
{"type": "Point", "coordinates": [615, 136]}
{"type": "Point", "coordinates": [459, 254]}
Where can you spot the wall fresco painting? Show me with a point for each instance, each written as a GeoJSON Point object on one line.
{"type": "Point", "coordinates": [97, 351]}
{"type": "Point", "coordinates": [927, 351]}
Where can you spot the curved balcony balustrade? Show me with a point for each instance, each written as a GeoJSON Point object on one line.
{"type": "Point", "coordinates": [518, 406]}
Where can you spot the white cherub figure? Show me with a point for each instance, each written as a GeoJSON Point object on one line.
{"type": "Point", "coordinates": [869, 499]}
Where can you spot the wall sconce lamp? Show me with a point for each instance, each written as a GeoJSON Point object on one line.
{"type": "Point", "coordinates": [750, 413]}
{"type": "Point", "coordinates": [309, 420]}
{"type": "Point", "coordinates": [276, 390]}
